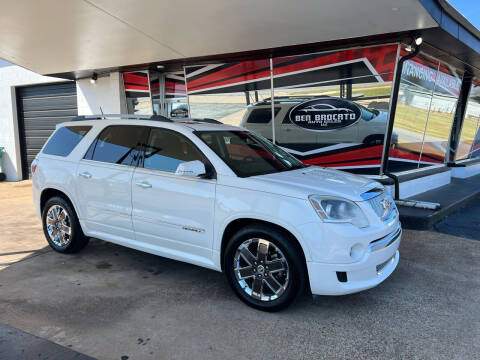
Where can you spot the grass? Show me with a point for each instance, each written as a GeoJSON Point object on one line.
{"type": "Point", "coordinates": [439, 124]}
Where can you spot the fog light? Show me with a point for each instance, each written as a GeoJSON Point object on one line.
{"type": "Point", "coordinates": [342, 276]}
{"type": "Point", "coordinates": [357, 251]}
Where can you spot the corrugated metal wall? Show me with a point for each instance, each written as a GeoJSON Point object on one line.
{"type": "Point", "coordinates": [40, 109]}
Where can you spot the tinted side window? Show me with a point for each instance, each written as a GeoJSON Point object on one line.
{"type": "Point", "coordinates": [65, 139]}
{"type": "Point", "coordinates": [261, 116]}
{"type": "Point", "coordinates": [117, 144]}
{"type": "Point", "coordinates": [165, 150]}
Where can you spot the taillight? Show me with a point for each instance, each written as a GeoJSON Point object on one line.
{"type": "Point", "coordinates": [34, 165]}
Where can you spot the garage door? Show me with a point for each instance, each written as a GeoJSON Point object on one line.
{"type": "Point", "coordinates": [40, 109]}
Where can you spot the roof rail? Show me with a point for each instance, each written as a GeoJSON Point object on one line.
{"type": "Point", "coordinates": [213, 121]}
{"type": "Point", "coordinates": [122, 116]}
{"type": "Point", "coordinates": [287, 99]}
{"type": "Point", "coordinates": [204, 120]}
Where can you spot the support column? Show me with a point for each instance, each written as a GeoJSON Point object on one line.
{"type": "Point", "coordinates": [458, 118]}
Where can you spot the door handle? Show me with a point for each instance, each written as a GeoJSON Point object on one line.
{"type": "Point", "coordinates": [85, 174]}
{"type": "Point", "coordinates": [143, 184]}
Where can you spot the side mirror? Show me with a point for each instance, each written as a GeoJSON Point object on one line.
{"type": "Point", "coordinates": [193, 168]}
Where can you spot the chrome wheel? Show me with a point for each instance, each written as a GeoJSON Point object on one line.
{"type": "Point", "coordinates": [59, 227]}
{"type": "Point", "coordinates": [261, 269]}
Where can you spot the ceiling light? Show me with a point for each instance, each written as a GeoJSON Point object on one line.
{"type": "Point", "coordinates": [418, 41]}
{"type": "Point", "coordinates": [94, 78]}
{"type": "Point", "coordinates": [160, 67]}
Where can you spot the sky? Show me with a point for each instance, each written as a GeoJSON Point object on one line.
{"type": "Point", "coordinates": [468, 8]}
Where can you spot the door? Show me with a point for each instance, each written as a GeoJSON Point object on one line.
{"type": "Point", "coordinates": [104, 182]}
{"type": "Point", "coordinates": [173, 213]}
{"type": "Point", "coordinates": [40, 108]}
{"type": "Point", "coordinates": [290, 135]}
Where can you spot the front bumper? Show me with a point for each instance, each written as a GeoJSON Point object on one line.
{"type": "Point", "coordinates": [378, 263]}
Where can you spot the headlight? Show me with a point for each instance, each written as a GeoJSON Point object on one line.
{"type": "Point", "coordinates": [331, 209]}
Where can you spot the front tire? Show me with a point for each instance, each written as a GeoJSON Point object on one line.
{"type": "Point", "coordinates": [264, 267]}
{"type": "Point", "coordinates": [61, 226]}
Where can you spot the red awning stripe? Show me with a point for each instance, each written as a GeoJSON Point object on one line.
{"type": "Point", "coordinates": [240, 79]}
{"type": "Point", "coordinates": [358, 154]}
{"type": "Point", "coordinates": [237, 71]}
{"type": "Point", "coordinates": [136, 87]}
{"type": "Point", "coordinates": [135, 79]}
{"type": "Point", "coordinates": [382, 58]}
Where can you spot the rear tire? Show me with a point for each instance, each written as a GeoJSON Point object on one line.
{"type": "Point", "coordinates": [264, 267]}
{"type": "Point", "coordinates": [2, 176]}
{"type": "Point", "coordinates": [61, 226]}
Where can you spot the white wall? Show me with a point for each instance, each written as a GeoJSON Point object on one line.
{"type": "Point", "coordinates": [107, 93]}
{"type": "Point", "coordinates": [422, 184]}
{"type": "Point", "coordinates": [11, 76]}
{"type": "Point", "coordinates": [466, 172]}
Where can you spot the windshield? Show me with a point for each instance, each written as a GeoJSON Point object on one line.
{"type": "Point", "coordinates": [248, 154]}
{"type": "Point", "coordinates": [368, 114]}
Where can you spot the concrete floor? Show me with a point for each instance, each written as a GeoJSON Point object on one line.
{"type": "Point", "coordinates": [111, 302]}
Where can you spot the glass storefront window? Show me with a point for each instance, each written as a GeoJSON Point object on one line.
{"type": "Point", "coordinates": [333, 107]}
{"type": "Point", "coordinates": [425, 110]}
{"type": "Point", "coordinates": [155, 85]}
{"type": "Point", "coordinates": [440, 119]}
{"type": "Point", "coordinates": [230, 92]}
{"type": "Point", "coordinates": [175, 105]}
{"type": "Point", "coordinates": [330, 109]}
{"type": "Point", "coordinates": [137, 93]}
{"type": "Point", "coordinates": [469, 146]}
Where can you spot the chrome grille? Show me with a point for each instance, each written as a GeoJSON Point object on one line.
{"type": "Point", "coordinates": [383, 205]}
{"type": "Point", "coordinates": [386, 241]}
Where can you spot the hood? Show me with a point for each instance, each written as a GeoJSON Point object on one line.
{"type": "Point", "coordinates": [314, 180]}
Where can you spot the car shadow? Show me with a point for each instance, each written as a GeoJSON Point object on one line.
{"type": "Point", "coordinates": [152, 270]}
{"type": "Point", "coordinates": [107, 269]}
{"type": "Point", "coordinates": [13, 257]}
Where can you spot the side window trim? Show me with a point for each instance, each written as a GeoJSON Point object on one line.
{"type": "Point", "coordinates": [94, 145]}
{"type": "Point", "coordinates": [143, 146]}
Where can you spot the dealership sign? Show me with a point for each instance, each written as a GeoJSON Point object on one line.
{"type": "Point", "coordinates": [429, 78]}
{"type": "Point", "coordinates": [325, 114]}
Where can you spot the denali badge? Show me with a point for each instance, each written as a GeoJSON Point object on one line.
{"type": "Point", "coordinates": [386, 204]}
{"type": "Point", "coordinates": [325, 114]}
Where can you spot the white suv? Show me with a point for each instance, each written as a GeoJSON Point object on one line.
{"type": "Point", "coordinates": [216, 196]}
{"type": "Point", "coordinates": [369, 129]}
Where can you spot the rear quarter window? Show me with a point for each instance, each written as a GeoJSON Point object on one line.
{"type": "Point", "coordinates": [64, 140]}
{"type": "Point", "coordinates": [261, 116]}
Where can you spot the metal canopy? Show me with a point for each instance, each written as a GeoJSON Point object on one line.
{"type": "Point", "coordinates": [57, 36]}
